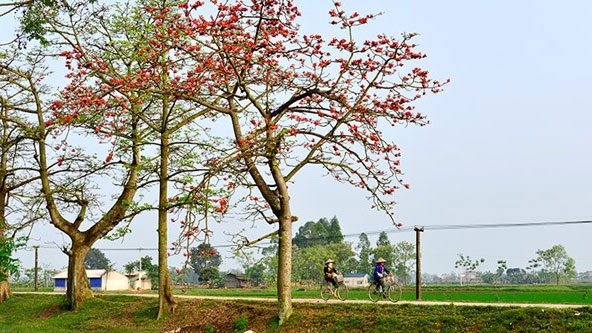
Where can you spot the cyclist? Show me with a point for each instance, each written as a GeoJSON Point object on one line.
{"type": "Point", "coordinates": [330, 272]}
{"type": "Point", "coordinates": [379, 273]}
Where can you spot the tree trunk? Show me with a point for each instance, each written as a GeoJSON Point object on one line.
{"type": "Point", "coordinates": [4, 291]}
{"type": "Point", "coordinates": [78, 287]}
{"type": "Point", "coordinates": [166, 302]}
{"type": "Point", "coordinates": [284, 283]}
{"type": "Point", "coordinates": [4, 285]}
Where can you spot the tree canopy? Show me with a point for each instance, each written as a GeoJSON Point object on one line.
{"type": "Point", "coordinates": [320, 232]}
{"type": "Point", "coordinates": [160, 76]}
{"type": "Point", "coordinates": [555, 261]}
{"type": "Point", "coordinates": [96, 259]}
{"type": "Point", "coordinates": [205, 261]}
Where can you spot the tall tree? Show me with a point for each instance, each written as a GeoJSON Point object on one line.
{"type": "Point", "coordinates": [70, 190]}
{"type": "Point", "coordinates": [404, 259]}
{"type": "Point", "coordinates": [76, 195]}
{"type": "Point", "coordinates": [67, 176]}
{"type": "Point", "coordinates": [96, 259]}
{"type": "Point", "coordinates": [334, 231]}
{"type": "Point", "coordinates": [383, 239]}
{"type": "Point", "coordinates": [310, 234]}
{"type": "Point", "coordinates": [364, 254]}
{"type": "Point", "coordinates": [320, 232]}
{"type": "Point", "coordinates": [308, 262]}
{"type": "Point", "coordinates": [289, 103]}
{"type": "Point", "coordinates": [127, 53]}
{"type": "Point", "coordinates": [384, 249]}
{"type": "Point", "coordinates": [556, 262]}
{"type": "Point", "coordinates": [293, 100]}
{"type": "Point", "coordinates": [19, 207]}
{"type": "Point", "coordinates": [205, 261]}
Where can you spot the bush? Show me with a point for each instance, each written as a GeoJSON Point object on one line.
{"type": "Point", "coordinates": [240, 323]}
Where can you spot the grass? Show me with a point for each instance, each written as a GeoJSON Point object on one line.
{"type": "Point", "coordinates": [549, 294]}
{"type": "Point", "coordinates": [118, 313]}
{"type": "Point", "coordinates": [546, 294]}
{"type": "Point", "coordinates": [45, 313]}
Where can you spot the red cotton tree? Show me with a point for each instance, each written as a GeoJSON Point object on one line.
{"type": "Point", "coordinates": [65, 176]}
{"type": "Point", "coordinates": [19, 192]}
{"type": "Point", "coordinates": [292, 101]}
{"type": "Point", "coordinates": [79, 201]}
{"type": "Point", "coordinates": [73, 194]}
{"type": "Point", "coordinates": [122, 57]}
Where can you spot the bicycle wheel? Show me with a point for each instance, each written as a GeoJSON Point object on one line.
{"type": "Point", "coordinates": [394, 292]}
{"type": "Point", "coordinates": [373, 294]}
{"type": "Point", "coordinates": [342, 291]}
{"type": "Point", "coordinates": [325, 293]}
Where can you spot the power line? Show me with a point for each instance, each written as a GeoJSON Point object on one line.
{"type": "Point", "coordinates": [391, 230]}
{"type": "Point", "coordinates": [472, 226]}
{"type": "Point", "coordinates": [504, 225]}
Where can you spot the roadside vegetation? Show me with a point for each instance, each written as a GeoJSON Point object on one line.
{"type": "Point", "coordinates": [580, 294]}
{"type": "Point", "coordinates": [117, 313]}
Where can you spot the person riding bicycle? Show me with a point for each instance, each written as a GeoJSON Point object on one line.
{"type": "Point", "coordinates": [330, 273]}
{"type": "Point", "coordinates": [379, 273]}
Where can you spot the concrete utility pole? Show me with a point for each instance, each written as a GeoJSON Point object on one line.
{"type": "Point", "coordinates": [36, 268]}
{"type": "Point", "coordinates": [417, 262]}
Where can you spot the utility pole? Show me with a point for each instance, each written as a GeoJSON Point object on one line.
{"type": "Point", "coordinates": [36, 268]}
{"type": "Point", "coordinates": [417, 262]}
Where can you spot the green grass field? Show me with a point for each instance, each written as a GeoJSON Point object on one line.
{"type": "Point", "coordinates": [569, 294]}
{"type": "Point", "coordinates": [109, 312]}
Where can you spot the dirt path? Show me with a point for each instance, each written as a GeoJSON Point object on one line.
{"type": "Point", "coordinates": [312, 300]}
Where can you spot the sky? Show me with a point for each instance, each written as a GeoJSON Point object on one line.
{"type": "Point", "coordinates": [510, 139]}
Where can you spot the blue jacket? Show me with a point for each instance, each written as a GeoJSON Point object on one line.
{"type": "Point", "coordinates": [379, 271]}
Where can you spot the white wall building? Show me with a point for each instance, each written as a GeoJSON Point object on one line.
{"type": "Point", "coordinates": [359, 280]}
{"type": "Point", "coordinates": [139, 281]}
{"type": "Point", "coordinates": [99, 279]}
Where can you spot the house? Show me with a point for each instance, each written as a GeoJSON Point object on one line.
{"type": "Point", "coordinates": [99, 279]}
{"type": "Point", "coordinates": [139, 280]}
{"type": "Point", "coordinates": [356, 280]}
{"type": "Point", "coordinates": [468, 277]}
{"type": "Point", "coordinates": [235, 281]}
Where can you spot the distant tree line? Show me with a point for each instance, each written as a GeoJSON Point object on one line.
{"type": "Point", "coordinates": [553, 265]}
{"type": "Point", "coordinates": [317, 241]}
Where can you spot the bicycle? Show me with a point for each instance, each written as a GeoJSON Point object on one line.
{"type": "Point", "coordinates": [392, 291]}
{"type": "Point", "coordinates": [340, 292]}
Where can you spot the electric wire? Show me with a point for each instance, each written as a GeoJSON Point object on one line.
{"type": "Point", "coordinates": [391, 230]}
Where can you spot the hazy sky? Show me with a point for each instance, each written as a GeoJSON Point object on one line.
{"type": "Point", "coordinates": [510, 139]}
